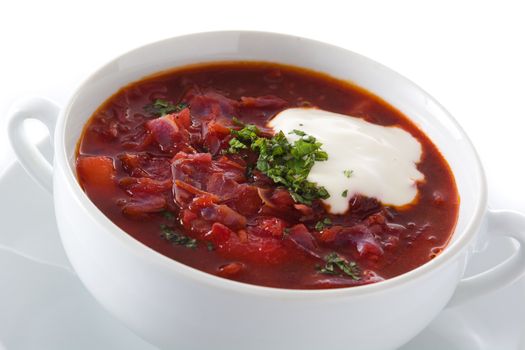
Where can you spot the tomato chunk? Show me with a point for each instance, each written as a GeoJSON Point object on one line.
{"type": "Point", "coordinates": [97, 172]}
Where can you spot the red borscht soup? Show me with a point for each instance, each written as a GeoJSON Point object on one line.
{"type": "Point", "coordinates": [186, 162]}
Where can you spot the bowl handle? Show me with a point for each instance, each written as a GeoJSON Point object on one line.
{"type": "Point", "coordinates": [27, 153]}
{"type": "Point", "coordinates": [500, 223]}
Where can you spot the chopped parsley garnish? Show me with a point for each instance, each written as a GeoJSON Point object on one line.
{"type": "Point", "coordinates": [321, 225]}
{"type": "Point", "coordinates": [348, 173]}
{"type": "Point", "coordinates": [236, 146]}
{"type": "Point", "coordinates": [237, 122]}
{"type": "Point", "coordinates": [249, 171]}
{"type": "Point", "coordinates": [162, 107]}
{"type": "Point", "coordinates": [345, 193]}
{"type": "Point", "coordinates": [285, 163]}
{"type": "Point", "coordinates": [177, 238]}
{"type": "Point", "coordinates": [248, 134]}
{"type": "Point", "coordinates": [210, 246]}
{"type": "Point", "coordinates": [337, 265]}
{"type": "Point", "coordinates": [168, 215]}
{"type": "Point", "coordinates": [297, 132]}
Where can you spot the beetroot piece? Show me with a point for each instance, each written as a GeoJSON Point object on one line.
{"type": "Point", "coordinates": [170, 130]}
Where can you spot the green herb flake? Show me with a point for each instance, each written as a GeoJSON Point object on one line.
{"type": "Point", "coordinates": [345, 193]}
{"type": "Point", "coordinates": [321, 225]}
{"type": "Point", "coordinates": [162, 107]}
{"type": "Point", "coordinates": [168, 215]}
{"type": "Point", "coordinates": [348, 173]}
{"type": "Point", "coordinates": [237, 122]}
{"type": "Point", "coordinates": [337, 265]}
{"type": "Point", "coordinates": [297, 132]}
{"type": "Point", "coordinates": [177, 238]}
{"type": "Point", "coordinates": [285, 163]}
{"type": "Point", "coordinates": [210, 246]}
{"type": "Point", "coordinates": [236, 146]}
{"type": "Point", "coordinates": [249, 171]}
{"type": "Point", "coordinates": [248, 133]}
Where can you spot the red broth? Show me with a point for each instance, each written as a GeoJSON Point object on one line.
{"type": "Point", "coordinates": [167, 182]}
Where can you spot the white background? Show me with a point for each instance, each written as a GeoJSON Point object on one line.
{"type": "Point", "coordinates": [470, 55]}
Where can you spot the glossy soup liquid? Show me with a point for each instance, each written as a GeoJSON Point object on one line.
{"type": "Point", "coordinates": [168, 182]}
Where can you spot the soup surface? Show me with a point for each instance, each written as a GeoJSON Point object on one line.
{"type": "Point", "coordinates": [171, 160]}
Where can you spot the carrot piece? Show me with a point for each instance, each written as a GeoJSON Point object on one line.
{"type": "Point", "coordinates": [230, 269]}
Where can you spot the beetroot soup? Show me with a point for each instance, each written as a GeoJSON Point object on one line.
{"type": "Point", "coordinates": [270, 175]}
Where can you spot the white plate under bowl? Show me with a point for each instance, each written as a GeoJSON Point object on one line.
{"type": "Point", "coordinates": [43, 305]}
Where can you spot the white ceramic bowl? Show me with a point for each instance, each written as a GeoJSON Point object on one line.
{"type": "Point", "coordinates": [175, 306]}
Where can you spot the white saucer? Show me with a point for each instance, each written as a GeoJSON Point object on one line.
{"type": "Point", "coordinates": [44, 306]}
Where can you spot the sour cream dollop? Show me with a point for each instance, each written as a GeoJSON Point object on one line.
{"type": "Point", "coordinates": [363, 158]}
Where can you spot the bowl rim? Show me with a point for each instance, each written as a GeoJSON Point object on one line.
{"type": "Point", "coordinates": [145, 252]}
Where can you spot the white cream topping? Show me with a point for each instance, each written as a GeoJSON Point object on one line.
{"type": "Point", "coordinates": [382, 160]}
